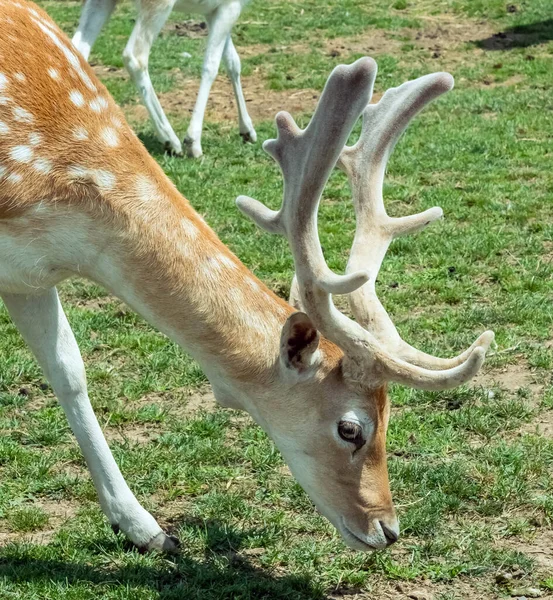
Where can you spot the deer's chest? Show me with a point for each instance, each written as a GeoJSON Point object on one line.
{"type": "Point", "coordinates": [44, 246]}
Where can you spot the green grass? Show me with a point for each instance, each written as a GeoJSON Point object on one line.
{"type": "Point", "coordinates": [470, 475]}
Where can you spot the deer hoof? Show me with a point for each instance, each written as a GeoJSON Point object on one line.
{"type": "Point", "coordinates": [171, 150]}
{"type": "Point", "coordinates": [169, 544]}
{"type": "Point", "coordinates": [249, 136]}
{"type": "Point", "coordinates": [193, 148]}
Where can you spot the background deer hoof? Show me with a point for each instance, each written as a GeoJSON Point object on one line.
{"type": "Point", "coordinates": [193, 148]}
{"type": "Point", "coordinates": [171, 150]}
{"type": "Point", "coordinates": [249, 136]}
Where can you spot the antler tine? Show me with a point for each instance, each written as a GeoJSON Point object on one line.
{"type": "Point", "coordinates": [306, 159]}
{"type": "Point", "coordinates": [365, 165]}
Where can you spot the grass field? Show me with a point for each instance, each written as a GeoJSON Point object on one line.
{"type": "Point", "coordinates": [471, 470]}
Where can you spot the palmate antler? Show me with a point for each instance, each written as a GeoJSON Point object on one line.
{"type": "Point", "coordinates": [306, 159]}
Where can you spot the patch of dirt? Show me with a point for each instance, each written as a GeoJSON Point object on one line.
{"type": "Point", "coordinates": [489, 82]}
{"type": "Point", "coordinates": [539, 548]}
{"type": "Point", "coordinates": [98, 304]}
{"type": "Point", "coordinates": [542, 425]}
{"type": "Point", "coordinates": [263, 104]}
{"type": "Point", "coordinates": [451, 29]}
{"type": "Point", "coordinates": [190, 28]}
{"type": "Point", "coordinates": [510, 378]}
{"type": "Point", "coordinates": [459, 589]}
{"type": "Point", "coordinates": [109, 72]}
{"type": "Point", "coordinates": [179, 402]}
{"type": "Point", "coordinates": [373, 41]}
{"type": "Point", "coordinates": [548, 250]}
{"type": "Point", "coordinates": [58, 511]}
{"type": "Point", "coordinates": [135, 433]}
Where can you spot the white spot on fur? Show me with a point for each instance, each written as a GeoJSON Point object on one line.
{"type": "Point", "coordinates": [146, 189]}
{"type": "Point", "coordinates": [35, 138]}
{"type": "Point", "coordinates": [210, 269]}
{"type": "Point", "coordinates": [14, 178]}
{"type": "Point", "coordinates": [77, 172]}
{"type": "Point", "coordinates": [227, 261]}
{"type": "Point", "coordinates": [80, 133]}
{"type": "Point", "coordinates": [3, 81]}
{"type": "Point", "coordinates": [33, 11]}
{"type": "Point", "coordinates": [116, 122]}
{"type": "Point", "coordinates": [22, 115]}
{"type": "Point", "coordinates": [70, 56]}
{"type": "Point", "coordinates": [95, 106]}
{"type": "Point", "coordinates": [4, 100]}
{"type": "Point", "coordinates": [216, 264]}
{"type": "Point", "coordinates": [189, 228]}
{"type": "Point", "coordinates": [253, 284]}
{"type": "Point", "coordinates": [42, 165]}
{"type": "Point", "coordinates": [2, 170]}
{"type": "Point", "coordinates": [105, 180]}
{"type": "Point", "coordinates": [109, 135]}
{"type": "Point", "coordinates": [22, 154]}
{"type": "Point", "coordinates": [20, 77]}
{"type": "Point", "coordinates": [4, 128]}
{"type": "Point", "coordinates": [53, 73]}
{"type": "Point", "coordinates": [76, 97]}
{"type": "Point", "coordinates": [98, 104]}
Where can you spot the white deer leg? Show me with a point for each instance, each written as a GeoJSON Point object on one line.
{"type": "Point", "coordinates": [43, 325]}
{"type": "Point", "coordinates": [93, 17]}
{"type": "Point", "coordinates": [151, 18]}
{"type": "Point", "coordinates": [233, 67]}
{"type": "Point", "coordinates": [220, 23]}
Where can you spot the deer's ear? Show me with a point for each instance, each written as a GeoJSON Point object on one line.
{"type": "Point", "coordinates": [299, 342]}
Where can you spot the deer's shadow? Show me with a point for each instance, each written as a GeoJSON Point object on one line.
{"type": "Point", "coordinates": [520, 36]}
{"type": "Point", "coordinates": [226, 572]}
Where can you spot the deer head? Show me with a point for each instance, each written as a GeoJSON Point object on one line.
{"type": "Point", "coordinates": [336, 447]}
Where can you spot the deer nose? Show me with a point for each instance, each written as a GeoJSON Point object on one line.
{"type": "Point", "coordinates": [390, 529]}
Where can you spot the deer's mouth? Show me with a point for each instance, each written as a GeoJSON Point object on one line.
{"type": "Point", "coordinates": [354, 541]}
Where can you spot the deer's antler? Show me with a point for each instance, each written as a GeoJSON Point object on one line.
{"type": "Point", "coordinates": [306, 159]}
{"type": "Point", "coordinates": [365, 165]}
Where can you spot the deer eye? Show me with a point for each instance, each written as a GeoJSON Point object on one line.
{"type": "Point", "coordinates": [351, 432]}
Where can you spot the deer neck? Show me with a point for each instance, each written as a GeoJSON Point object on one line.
{"type": "Point", "coordinates": [174, 271]}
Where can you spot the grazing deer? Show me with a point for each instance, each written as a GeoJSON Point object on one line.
{"type": "Point", "coordinates": [220, 15]}
{"type": "Point", "coordinates": [80, 195]}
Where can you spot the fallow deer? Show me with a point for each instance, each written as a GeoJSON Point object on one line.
{"type": "Point", "coordinates": [81, 196]}
{"type": "Point", "coordinates": [221, 15]}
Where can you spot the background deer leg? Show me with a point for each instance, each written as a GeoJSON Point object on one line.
{"type": "Point", "coordinates": [94, 15]}
{"type": "Point", "coordinates": [43, 325]}
{"type": "Point", "coordinates": [151, 18]}
{"type": "Point", "coordinates": [233, 67]}
{"type": "Point", "coordinates": [220, 23]}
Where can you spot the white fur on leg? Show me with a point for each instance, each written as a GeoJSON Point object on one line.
{"type": "Point", "coordinates": [93, 16]}
{"type": "Point", "coordinates": [220, 23]}
{"type": "Point", "coordinates": [43, 325]}
{"type": "Point", "coordinates": [233, 67]}
{"type": "Point", "coordinates": [136, 56]}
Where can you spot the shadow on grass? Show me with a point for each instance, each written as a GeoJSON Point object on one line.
{"type": "Point", "coordinates": [225, 574]}
{"type": "Point", "coordinates": [521, 36]}
{"type": "Point", "coordinates": [153, 145]}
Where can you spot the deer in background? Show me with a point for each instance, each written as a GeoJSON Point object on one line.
{"type": "Point", "coordinates": [220, 15]}
{"type": "Point", "coordinates": [80, 196]}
